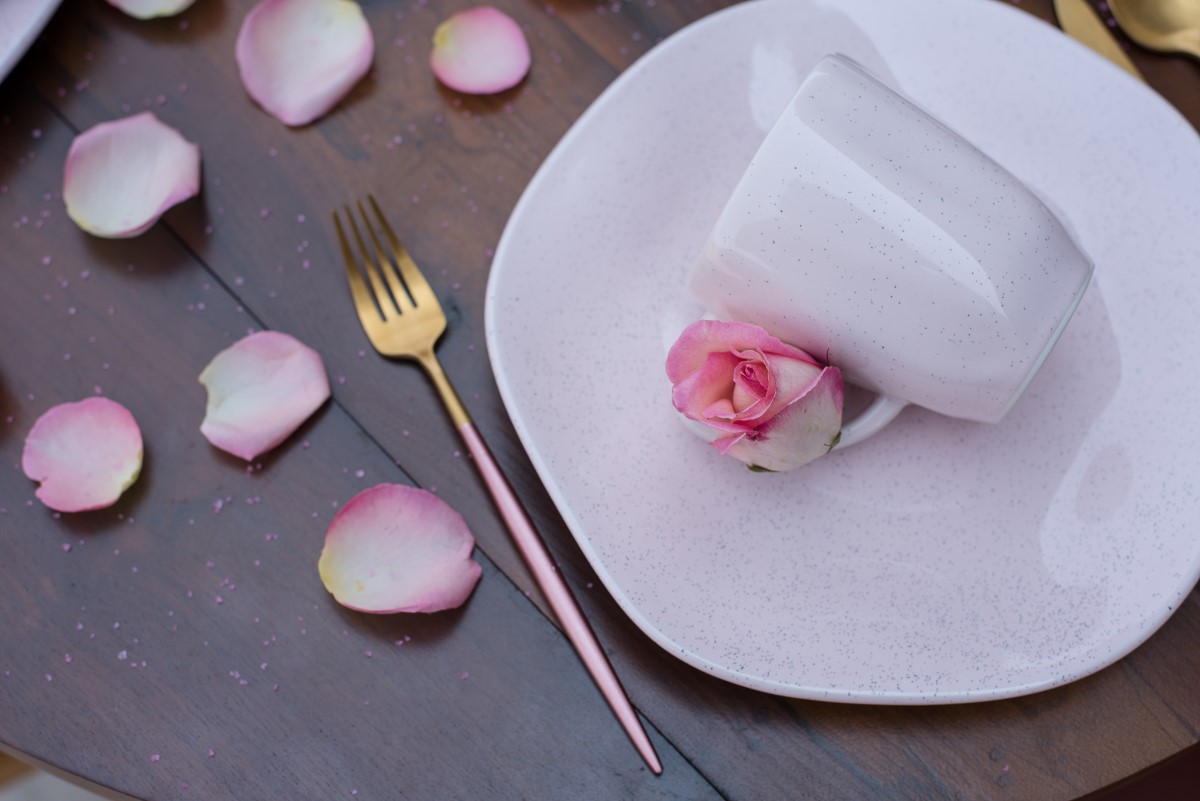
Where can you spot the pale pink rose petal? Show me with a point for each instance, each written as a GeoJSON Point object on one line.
{"type": "Point", "coordinates": [480, 51]}
{"type": "Point", "coordinates": [702, 337]}
{"type": "Point", "coordinates": [394, 548]}
{"type": "Point", "coordinates": [83, 454]}
{"type": "Point", "coordinates": [298, 58]}
{"type": "Point", "coordinates": [260, 389]}
{"type": "Point", "coordinates": [121, 176]}
{"type": "Point", "coordinates": [753, 383]}
{"type": "Point", "coordinates": [149, 9]}
{"type": "Point", "coordinates": [793, 378]}
{"type": "Point", "coordinates": [800, 433]}
{"type": "Point", "coordinates": [702, 394]}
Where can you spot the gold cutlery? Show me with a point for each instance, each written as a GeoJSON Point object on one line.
{"type": "Point", "coordinates": [1084, 25]}
{"type": "Point", "coordinates": [403, 319]}
{"type": "Point", "coordinates": [1170, 25]}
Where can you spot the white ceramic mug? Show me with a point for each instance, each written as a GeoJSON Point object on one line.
{"type": "Point", "coordinates": [871, 235]}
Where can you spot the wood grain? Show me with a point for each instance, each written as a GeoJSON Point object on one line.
{"type": "Point", "coordinates": [179, 645]}
{"type": "Point", "coordinates": [11, 769]}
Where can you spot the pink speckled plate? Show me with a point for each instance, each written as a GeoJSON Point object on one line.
{"type": "Point", "coordinates": [941, 561]}
{"type": "Point", "coordinates": [20, 23]}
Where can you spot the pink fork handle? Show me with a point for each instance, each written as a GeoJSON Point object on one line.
{"type": "Point", "coordinates": [554, 587]}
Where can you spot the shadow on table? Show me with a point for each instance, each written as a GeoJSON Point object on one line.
{"type": "Point", "coordinates": [1176, 778]}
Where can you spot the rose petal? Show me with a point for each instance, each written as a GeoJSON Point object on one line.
{"type": "Point", "coordinates": [298, 58]}
{"type": "Point", "coordinates": [792, 378]}
{"type": "Point", "coordinates": [394, 548]}
{"type": "Point", "coordinates": [260, 389]}
{"type": "Point", "coordinates": [83, 454]}
{"type": "Point", "coordinates": [801, 432]}
{"type": "Point", "coordinates": [703, 337]}
{"type": "Point", "coordinates": [479, 52]}
{"type": "Point", "coordinates": [149, 9]}
{"type": "Point", "coordinates": [696, 394]}
{"type": "Point", "coordinates": [121, 176]}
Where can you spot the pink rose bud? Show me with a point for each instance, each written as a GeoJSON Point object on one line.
{"type": "Point", "coordinates": [772, 406]}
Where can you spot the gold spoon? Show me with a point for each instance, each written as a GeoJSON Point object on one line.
{"type": "Point", "coordinates": [1171, 25]}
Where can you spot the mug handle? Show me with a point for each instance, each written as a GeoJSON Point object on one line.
{"type": "Point", "coordinates": [882, 411]}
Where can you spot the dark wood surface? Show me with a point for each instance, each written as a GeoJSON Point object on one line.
{"type": "Point", "coordinates": [183, 647]}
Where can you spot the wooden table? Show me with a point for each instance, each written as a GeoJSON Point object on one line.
{"type": "Point", "coordinates": [180, 644]}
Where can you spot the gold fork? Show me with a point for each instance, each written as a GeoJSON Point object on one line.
{"type": "Point", "coordinates": [403, 319]}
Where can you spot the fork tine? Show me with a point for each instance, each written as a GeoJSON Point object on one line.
{"type": "Point", "coordinates": [383, 299]}
{"type": "Point", "coordinates": [363, 297]}
{"type": "Point", "coordinates": [396, 287]}
{"type": "Point", "coordinates": [414, 279]}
